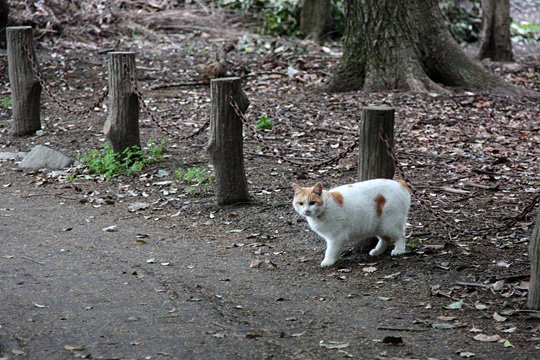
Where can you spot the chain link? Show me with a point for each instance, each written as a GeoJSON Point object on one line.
{"type": "Point", "coordinates": [46, 87]}
{"type": "Point", "coordinates": [152, 116]}
{"type": "Point", "coordinates": [314, 166]}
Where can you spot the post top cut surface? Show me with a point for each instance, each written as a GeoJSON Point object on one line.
{"type": "Point", "coordinates": [378, 108]}
{"type": "Point", "coordinates": [121, 53]}
{"type": "Point", "coordinates": [226, 79]}
{"type": "Point", "coordinates": [9, 28]}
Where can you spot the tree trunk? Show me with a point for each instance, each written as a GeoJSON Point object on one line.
{"type": "Point", "coordinates": [122, 126]}
{"type": "Point", "coordinates": [225, 146]}
{"type": "Point", "coordinates": [496, 39]}
{"type": "Point", "coordinates": [316, 19]}
{"type": "Point", "coordinates": [405, 45]}
{"type": "Point", "coordinates": [4, 18]}
{"type": "Point", "coordinates": [533, 299]}
{"type": "Point", "coordinates": [25, 87]}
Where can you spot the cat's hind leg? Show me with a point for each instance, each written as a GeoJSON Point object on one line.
{"type": "Point", "coordinates": [331, 255]}
{"type": "Point", "coordinates": [399, 247]}
{"type": "Point", "coordinates": [380, 247]}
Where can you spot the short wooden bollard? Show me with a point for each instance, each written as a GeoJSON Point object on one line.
{"type": "Point", "coordinates": [374, 162]}
{"type": "Point", "coordinates": [533, 298]}
{"type": "Point", "coordinates": [25, 87]}
{"type": "Point", "coordinates": [122, 126]}
{"type": "Point", "coordinates": [225, 145]}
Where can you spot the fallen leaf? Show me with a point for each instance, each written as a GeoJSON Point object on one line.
{"type": "Point", "coordinates": [393, 340]}
{"type": "Point", "coordinates": [487, 338]}
{"type": "Point", "coordinates": [38, 305]}
{"type": "Point", "coordinates": [18, 352]}
{"type": "Point", "coordinates": [479, 306]}
{"type": "Point", "coordinates": [498, 317]}
{"type": "Point", "coordinates": [507, 344]}
{"type": "Point", "coordinates": [455, 305]}
{"type": "Point", "coordinates": [466, 354]}
{"type": "Point", "coordinates": [138, 206]}
{"type": "Point", "coordinates": [220, 334]}
{"type": "Point", "coordinates": [510, 329]}
{"type": "Point", "coordinates": [255, 263]}
{"type": "Point", "coordinates": [151, 261]}
{"type": "Point", "coordinates": [369, 269]}
{"type": "Point", "coordinates": [333, 344]}
{"type": "Point", "coordinates": [141, 242]}
{"type": "Point", "coordinates": [475, 329]}
{"type": "Point", "coordinates": [443, 326]}
{"type": "Point", "coordinates": [73, 348]}
{"type": "Point", "coordinates": [446, 318]}
{"type": "Point", "coordinates": [498, 285]}
{"type": "Point", "coordinates": [384, 298]}
{"type": "Point", "coordinates": [111, 228]}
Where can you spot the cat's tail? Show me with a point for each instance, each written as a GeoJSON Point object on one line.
{"type": "Point", "coordinates": [405, 185]}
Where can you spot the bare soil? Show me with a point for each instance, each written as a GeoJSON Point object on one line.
{"type": "Point", "coordinates": [186, 279]}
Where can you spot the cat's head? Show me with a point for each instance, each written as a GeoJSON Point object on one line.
{"type": "Point", "coordinates": [308, 201]}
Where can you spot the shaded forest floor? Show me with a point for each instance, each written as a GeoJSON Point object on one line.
{"type": "Point", "coordinates": [184, 278]}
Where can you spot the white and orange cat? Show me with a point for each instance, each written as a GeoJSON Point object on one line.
{"type": "Point", "coordinates": [355, 212]}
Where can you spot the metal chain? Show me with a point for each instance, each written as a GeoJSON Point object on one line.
{"type": "Point", "coordinates": [314, 166]}
{"type": "Point", "coordinates": [426, 205]}
{"type": "Point", "coordinates": [153, 117]}
{"type": "Point", "coordinates": [401, 172]}
{"type": "Point", "coordinates": [46, 87]}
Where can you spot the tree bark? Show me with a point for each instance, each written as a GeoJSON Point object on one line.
{"type": "Point", "coordinates": [122, 126]}
{"type": "Point", "coordinates": [316, 19]}
{"type": "Point", "coordinates": [496, 38]}
{"type": "Point", "coordinates": [4, 18]}
{"type": "Point", "coordinates": [374, 161]}
{"type": "Point", "coordinates": [405, 45]}
{"type": "Point", "coordinates": [225, 146]}
{"type": "Point", "coordinates": [533, 299]}
{"type": "Point", "coordinates": [25, 87]}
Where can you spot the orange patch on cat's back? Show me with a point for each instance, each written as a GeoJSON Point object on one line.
{"type": "Point", "coordinates": [337, 196]}
{"type": "Point", "coordinates": [379, 204]}
{"type": "Point", "coordinates": [404, 185]}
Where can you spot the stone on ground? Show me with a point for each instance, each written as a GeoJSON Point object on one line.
{"type": "Point", "coordinates": [44, 157]}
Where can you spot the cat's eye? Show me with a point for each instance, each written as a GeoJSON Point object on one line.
{"type": "Point", "coordinates": [311, 203]}
{"type": "Point", "coordinates": [301, 203]}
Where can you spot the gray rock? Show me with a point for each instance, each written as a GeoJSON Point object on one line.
{"type": "Point", "coordinates": [44, 157]}
{"type": "Point", "coordinates": [12, 155]}
{"type": "Point", "coordinates": [138, 206]}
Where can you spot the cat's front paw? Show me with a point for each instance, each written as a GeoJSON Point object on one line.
{"type": "Point", "coordinates": [327, 263]}
{"type": "Point", "coordinates": [397, 252]}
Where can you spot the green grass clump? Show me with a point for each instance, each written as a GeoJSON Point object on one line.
{"type": "Point", "coordinates": [5, 102]}
{"type": "Point", "coordinates": [110, 164]}
{"type": "Point", "coordinates": [196, 177]}
{"type": "Point", "coordinates": [263, 123]}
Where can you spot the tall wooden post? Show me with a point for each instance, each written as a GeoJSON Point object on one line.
{"type": "Point", "coordinates": [25, 87]}
{"type": "Point", "coordinates": [225, 145]}
{"type": "Point", "coordinates": [374, 162]}
{"type": "Point", "coordinates": [533, 299]}
{"type": "Point", "coordinates": [122, 126]}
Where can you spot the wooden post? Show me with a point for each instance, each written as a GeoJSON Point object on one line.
{"type": "Point", "coordinates": [122, 126]}
{"type": "Point", "coordinates": [25, 87]}
{"type": "Point", "coordinates": [374, 162]}
{"type": "Point", "coordinates": [533, 299]}
{"type": "Point", "coordinates": [225, 145]}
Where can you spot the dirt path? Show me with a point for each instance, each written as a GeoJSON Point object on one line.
{"type": "Point", "coordinates": [69, 288]}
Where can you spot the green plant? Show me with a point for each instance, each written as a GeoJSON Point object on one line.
{"type": "Point", "coordinates": [525, 31]}
{"type": "Point", "coordinates": [196, 177]}
{"type": "Point", "coordinates": [70, 177]}
{"type": "Point", "coordinates": [110, 164]}
{"type": "Point", "coordinates": [413, 243]}
{"type": "Point", "coordinates": [263, 123]}
{"type": "Point", "coordinates": [5, 102]}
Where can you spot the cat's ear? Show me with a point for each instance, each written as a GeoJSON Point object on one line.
{"type": "Point", "coordinates": [297, 188]}
{"type": "Point", "coordinates": [317, 189]}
